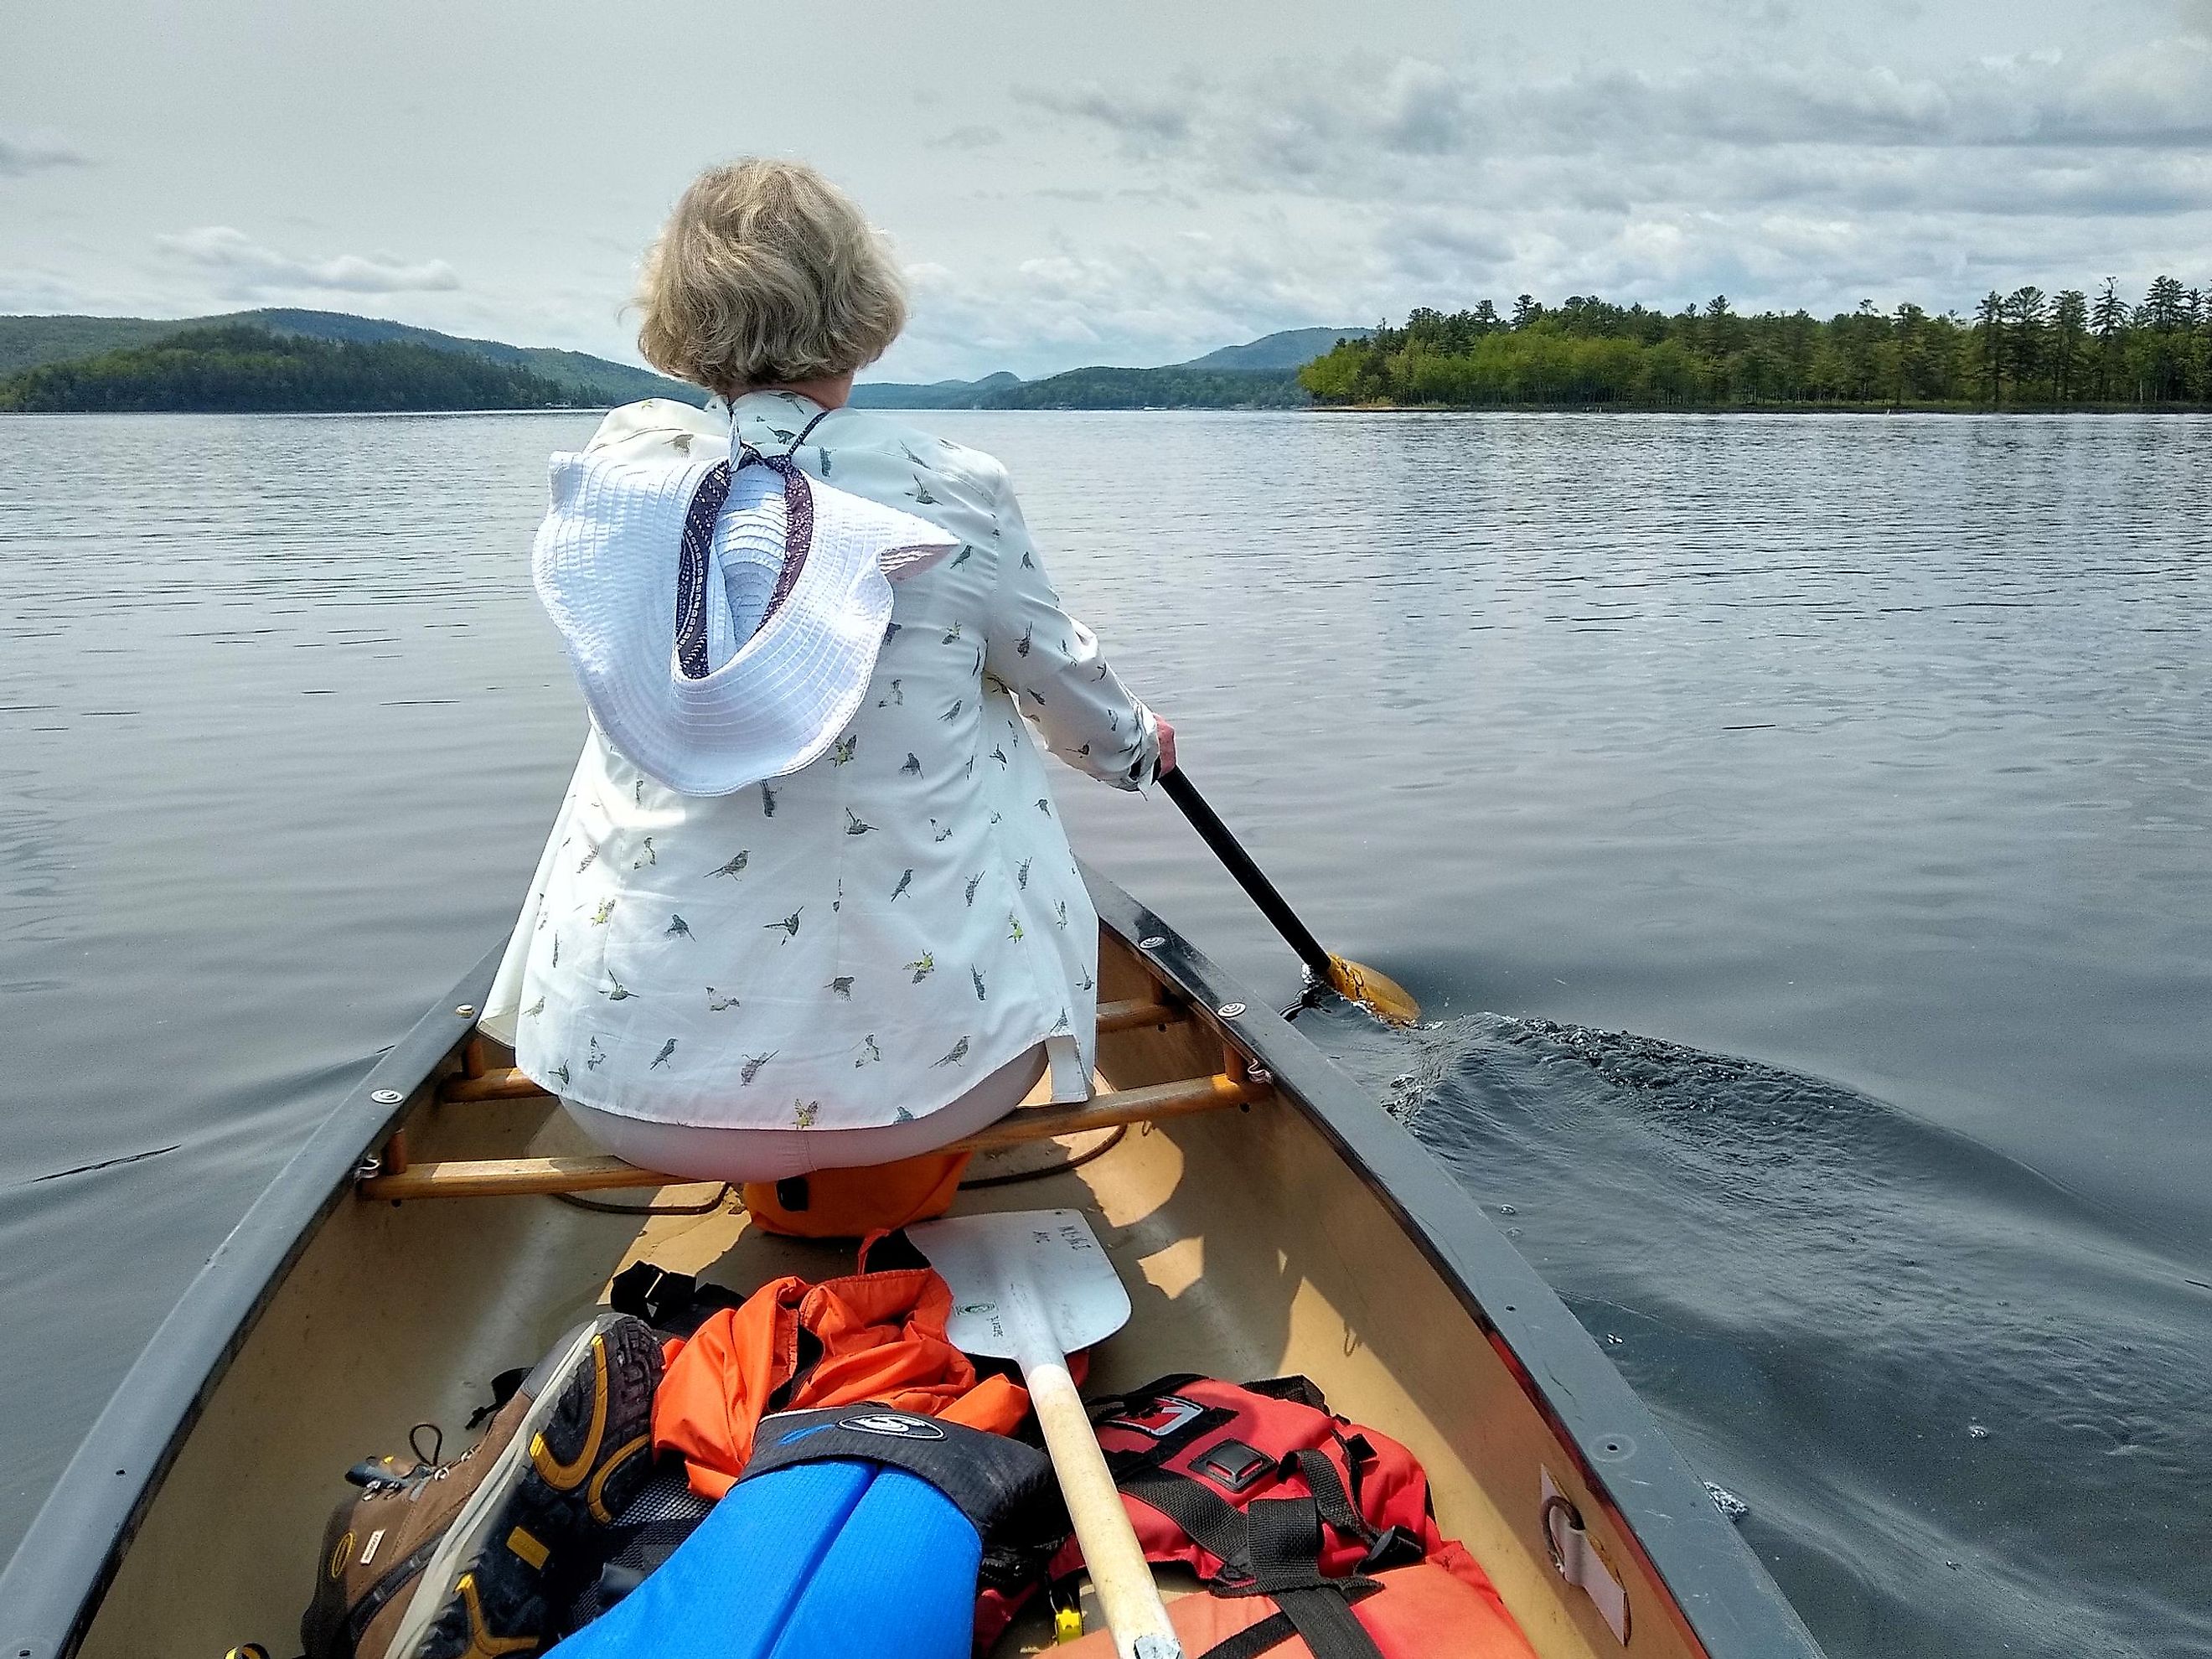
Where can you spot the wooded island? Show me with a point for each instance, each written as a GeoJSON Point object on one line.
{"type": "Point", "coordinates": [2027, 350]}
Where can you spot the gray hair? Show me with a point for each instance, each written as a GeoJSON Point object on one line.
{"type": "Point", "coordinates": [766, 273]}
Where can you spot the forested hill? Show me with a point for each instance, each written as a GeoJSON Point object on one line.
{"type": "Point", "coordinates": [31, 341]}
{"type": "Point", "coordinates": [1179, 386]}
{"type": "Point", "coordinates": [249, 370]}
{"type": "Point", "coordinates": [1260, 374]}
{"type": "Point", "coordinates": [2026, 349]}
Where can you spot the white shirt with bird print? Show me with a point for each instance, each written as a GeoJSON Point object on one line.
{"type": "Point", "coordinates": [861, 941]}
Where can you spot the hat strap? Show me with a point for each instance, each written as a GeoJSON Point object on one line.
{"type": "Point", "coordinates": [699, 522]}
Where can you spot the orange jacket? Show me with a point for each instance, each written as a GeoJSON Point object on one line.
{"type": "Point", "coordinates": [877, 1337]}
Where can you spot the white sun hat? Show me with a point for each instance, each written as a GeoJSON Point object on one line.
{"type": "Point", "coordinates": [722, 619]}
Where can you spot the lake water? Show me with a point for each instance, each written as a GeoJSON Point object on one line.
{"type": "Point", "coordinates": [1861, 767]}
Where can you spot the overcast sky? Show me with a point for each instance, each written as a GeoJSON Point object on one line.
{"type": "Point", "coordinates": [1131, 183]}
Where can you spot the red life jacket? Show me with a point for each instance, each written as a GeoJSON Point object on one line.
{"type": "Point", "coordinates": [1269, 1496]}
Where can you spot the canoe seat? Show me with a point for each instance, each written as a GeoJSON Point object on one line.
{"type": "Point", "coordinates": [396, 1177]}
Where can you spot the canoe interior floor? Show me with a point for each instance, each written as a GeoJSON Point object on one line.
{"type": "Point", "coordinates": [720, 1247]}
{"type": "Point", "coordinates": [1248, 1248]}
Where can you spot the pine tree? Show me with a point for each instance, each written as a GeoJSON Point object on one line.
{"type": "Point", "coordinates": [2023, 309]}
{"type": "Point", "coordinates": [1989, 321]}
{"type": "Point", "coordinates": [2069, 325]}
{"type": "Point", "coordinates": [2110, 320]}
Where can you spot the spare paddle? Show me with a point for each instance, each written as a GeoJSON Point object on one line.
{"type": "Point", "coordinates": [1388, 1000]}
{"type": "Point", "coordinates": [1030, 1286]}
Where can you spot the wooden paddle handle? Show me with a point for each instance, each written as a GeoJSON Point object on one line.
{"type": "Point", "coordinates": [1119, 1572]}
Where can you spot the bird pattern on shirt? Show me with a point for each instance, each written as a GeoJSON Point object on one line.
{"type": "Point", "coordinates": [899, 880]}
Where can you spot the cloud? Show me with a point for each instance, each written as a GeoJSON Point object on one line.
{"type": "Point", "coordinates": [1146, 120]}
{"type": "Point", "coordinates": [245, 269]}
{"type": "Point", "coordinates": [1373, 122]}
{"type": "Point", "coordinates": [1126, 303]}
{"type": "Point", "coordinates": [969, 138]}
{"type": "Point", "coordinates": [37, 153]}
{"type": "Point", "coordinates": [1368, 185]}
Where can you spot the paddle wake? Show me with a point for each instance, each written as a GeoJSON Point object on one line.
{"type": "Point", "coordinates": [1955, 1398]}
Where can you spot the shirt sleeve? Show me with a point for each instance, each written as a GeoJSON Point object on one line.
{"type": "Point", "coordinates": [1053, 667]}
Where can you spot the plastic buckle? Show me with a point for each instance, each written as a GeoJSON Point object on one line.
{"type": "Point", "coordinates": [1397, 1547]}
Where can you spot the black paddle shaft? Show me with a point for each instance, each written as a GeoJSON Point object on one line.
{"type": "Point", "coordinates": [1272, 905]}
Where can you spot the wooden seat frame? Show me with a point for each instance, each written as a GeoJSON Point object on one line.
{"type": "Point", "coordinates": [393, 1177]}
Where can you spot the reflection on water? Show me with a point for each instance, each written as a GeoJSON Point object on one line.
{"type": "Point", "coordinates": [1877, 749]}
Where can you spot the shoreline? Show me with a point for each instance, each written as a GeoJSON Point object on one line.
{"type": "Point", "coordinates": [1759, 409]}
{"type": "Point", "coordinates": [1211, 409]}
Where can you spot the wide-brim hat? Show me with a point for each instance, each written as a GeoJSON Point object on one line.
{"type": "Point", "coordinates": [637, 564]}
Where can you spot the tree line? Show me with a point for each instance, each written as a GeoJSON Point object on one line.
{"type": "Point", "coordinates": [245, 370]}
{"type": "Point", "coordinates": [2026, 349]}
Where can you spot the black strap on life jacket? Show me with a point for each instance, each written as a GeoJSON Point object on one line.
{"type": "Point", "coordinates": [675, 1304]}
{"type": "Point", "coordinates": [1286, 1550]}
{"type": "Point", "coordinates": [1273, 1546]}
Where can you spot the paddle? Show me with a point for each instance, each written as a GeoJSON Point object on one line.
{"type": "Point", "coordinates": [1028, 1286]}
{"type": "Point", "coordinates": [1388, 1000]}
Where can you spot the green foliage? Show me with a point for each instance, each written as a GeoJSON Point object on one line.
{"type": "Point", "coordinates": [30, 342]}
{"type": "Point", "coordinates": [27, 342]}
{"type": "Point", "coordinates": [249, 370]}
{"type": "Point", "coordinates": [2027, 349]}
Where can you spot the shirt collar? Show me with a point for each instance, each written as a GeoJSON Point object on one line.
{"type": "Point", "coordinates": [769, 420]}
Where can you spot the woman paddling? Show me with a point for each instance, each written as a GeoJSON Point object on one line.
{"type": "Point", "coordinates": [808, 904]}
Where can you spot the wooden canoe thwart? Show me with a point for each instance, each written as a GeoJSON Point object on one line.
{"type": "Point", "coordinates": [1266, 1215]}
{"type": "Point", "coordinates": [485, 1177]}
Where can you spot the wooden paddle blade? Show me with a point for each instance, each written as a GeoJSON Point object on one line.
{"type": "Point", "coordinates": [1388, 1001]}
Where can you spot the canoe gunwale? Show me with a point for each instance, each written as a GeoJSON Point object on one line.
{"type": "Point", "coordinates": [51, 1588]}
{"type": "Point", "coordinates": [1724, 1591]}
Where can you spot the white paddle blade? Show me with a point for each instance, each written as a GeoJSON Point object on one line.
{"type": "Point", "coordinates": [1023, 1274]}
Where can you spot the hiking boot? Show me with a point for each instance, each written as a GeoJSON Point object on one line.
{"type": "Point", "coordinates": [470, 1557]}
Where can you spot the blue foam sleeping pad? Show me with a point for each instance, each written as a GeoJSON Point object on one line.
{"type": "Point", "coordinates": [828, 1560]}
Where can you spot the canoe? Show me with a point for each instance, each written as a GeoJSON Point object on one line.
{"type": "Point", "coordinates": [1266, 1214]}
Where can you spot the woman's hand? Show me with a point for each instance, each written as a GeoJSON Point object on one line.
{"type": "Point", "coordinates": [1167, 745]}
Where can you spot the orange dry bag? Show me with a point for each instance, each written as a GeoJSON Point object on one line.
{"type": "Point", "coordinates": [853, 1203]}
{"type": "Point", "coordinates": [877, 1337]}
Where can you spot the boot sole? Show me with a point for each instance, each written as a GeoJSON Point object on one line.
{"type": "Point", "coordinates": [480, 1517]}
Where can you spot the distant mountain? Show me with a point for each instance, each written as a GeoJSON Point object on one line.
{"type": "Point", "coordinates": [937, 394]}
{"type": "Point", "coordinates": [1292, 348]}
{"type": "Point", "coordinates": [1261, 374]}
{"type": "Point", "coordinates": [250, 370]}
{"type": "Point", "coordinates": [1177, 386]}
{"type": "Point", "coordinates": [29, 341]}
